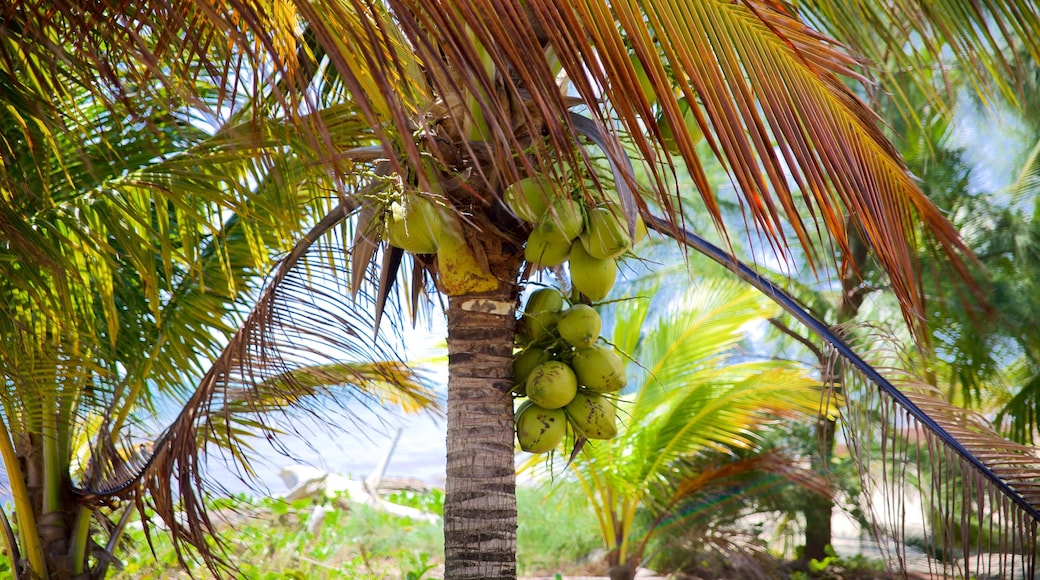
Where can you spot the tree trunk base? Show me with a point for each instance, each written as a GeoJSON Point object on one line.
{"type": "Point", "coordinates": [480, 488]}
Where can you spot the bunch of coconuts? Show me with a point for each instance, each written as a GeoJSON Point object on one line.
{"type": "Point", "coordinates": [565, 372]}
{"type": "Point", "coordinates": [592, 234]}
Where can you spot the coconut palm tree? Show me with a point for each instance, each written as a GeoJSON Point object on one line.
{"type": "Point", "coordinates": [446, 104]}
{"type": "Point", "coordinates": [137, 222]}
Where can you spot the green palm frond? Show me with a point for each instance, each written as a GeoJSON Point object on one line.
{"type": "Point", "coordinates": [137, 217]}
{"type": "Point", "coordinates": [695, 398]}
{"type": "Point", "coordinates": [987, 44]}
{"type": "Point", "coordinates": [1027, 184]}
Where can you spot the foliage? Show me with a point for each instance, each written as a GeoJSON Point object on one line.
{"type": "Point", "coordinates": [835, 567]}
{"type": "Point", "coordinates": [431, 501]}
{"type": "Point", "coordinates": [695, 407]}
{"type": "Point", "coordinates": [147, 184]}
{"type": "Point", "coordinates": [139, 213]}
{"type": "Point", "coordinates": [274, 539]}
{"type": "Point", "coordinates": [357, 541]}
{"type": "Point", "coordinates": [555, 530]}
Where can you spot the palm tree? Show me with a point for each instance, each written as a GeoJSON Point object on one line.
{"type": "Point", "coordinates": [136, 223]}
{"type": "Point", "coordinates": [694, 407]}
{"type": "Point", "coordinates": [453, 102]}
{"type": "Point", "coordinates": [497, 114]}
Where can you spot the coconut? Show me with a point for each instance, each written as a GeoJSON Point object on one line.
{"type": "Point", "coordinates": [523, 363]}
{"type": "Point", "coordinates": [529, 197]}
{"type": "Point", "coordinates": [606, 235]}
{"type": "Point", "coordinates": [599, 369]}
{"type": "Point", "coordinates": [414, 225]}
{"type": "Point", "coordinates": [566, 214]}
{"type": "Point", "coordinates": [593, 415]}
{"type": "Point", "coordinates": [579, 325]}
{"type": "Point", "coordinates": [547, 245]}
{"type": "Point", "coordinates": [539, 430]}
{"type": "Point", "coordinates": [690, 125]}
{"type": "Point", "coordinates": [541, 312]}
{"type": "Point", "coordinates": [551, 385]}
{"type": "Point", "coordinates": [592, 277]}
{"type": "Point", "coordinates": [646, 86]}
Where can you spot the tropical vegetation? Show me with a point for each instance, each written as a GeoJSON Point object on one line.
{"type": "Point", "coordinates": [159, 160]}
{"type": "Point", "coordinates": [692, 417]}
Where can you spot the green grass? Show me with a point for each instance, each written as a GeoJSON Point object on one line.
{"type": "Point", "coordinates": [555, 533]}
{"type": "Point", "coordinates": [269, 539]}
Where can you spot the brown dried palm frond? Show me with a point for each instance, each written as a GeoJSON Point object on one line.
{"type": "Point", "coordinates": [305, 347]}
{"type": "Point", "coordinates": [798, 144]}
{"type": "Point", "coordinates": [980, 493]}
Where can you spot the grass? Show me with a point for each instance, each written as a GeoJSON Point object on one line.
{"type": "Point", "coordinates": [556, 533]}
{"type": "Point", "coordinates": [269, 539]}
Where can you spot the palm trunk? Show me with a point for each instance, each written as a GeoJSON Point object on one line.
{"type": "Point", "coordinates": [819, 510]}
{"type": "Point", "coordinates": [480, 490]}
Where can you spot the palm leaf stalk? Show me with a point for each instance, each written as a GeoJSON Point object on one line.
{"type": "Point", "coordinates": [990, 472]}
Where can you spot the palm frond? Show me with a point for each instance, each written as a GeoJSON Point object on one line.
{"type": "Point", "coordinates": [990, 480]}
{"type": "Point", "coordinates": [301, 342]}
{"type": "Point", "coordinates": [440, 80]}
{"type": "Point", "coordinates": [1027, 183]}
{"type": "Point", "coordinates": [971, 525]}
{"type": "Point", "coordinates": [987, 44]}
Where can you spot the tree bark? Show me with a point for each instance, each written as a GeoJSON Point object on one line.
{"type": "Point", "coordinates": [819, 510]}
{"type": "Point", "coordinates": [480, 488]}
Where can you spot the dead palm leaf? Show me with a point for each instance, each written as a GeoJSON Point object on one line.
{"type": "Point", "coordinates": [977, 478]}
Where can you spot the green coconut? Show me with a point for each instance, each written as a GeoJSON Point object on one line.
{"type": "Point", "coordinates": [593, 415]}
{"type": "Point", "coordinates": [547, 245]}
{"type": "Point", "coordinates": [523, 363]}
{"type": "Point", "coordinates": [414, 225]}
{"type": "Point", "coordinates": [646, 86]}
{"type": "Point", "coordinates": [593, 277]}
{"type": "Point", "coordinates": [690, 124]}
{"type": "Point", "coordinates": [641, 231]}
{"type": "Point", "coordinates": [566, 215]}
{"type": "Point", "coordinates": [607, 234]}
{"type": "Point", "coordinates": [529, 198]}
{"type": "Point", "coordinates": [579, 325]}
{"type": "Point", "coordinates": [539, 430]}
{"type": "Point", "coordinates": [599, 368]}
{"type": "Point", "coordinates": [552, 385]}
{"type": "Point", "coordinates": [541, 312]}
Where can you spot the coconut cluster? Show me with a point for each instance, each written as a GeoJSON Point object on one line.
{"type": "Point", "coordinates": [566, 373]}
{"type": "Point", "coordinates": [591, 234]}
